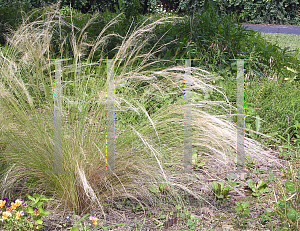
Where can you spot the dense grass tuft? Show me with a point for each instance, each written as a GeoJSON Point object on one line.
{"type": "Point", "coordinates": [147, 140]}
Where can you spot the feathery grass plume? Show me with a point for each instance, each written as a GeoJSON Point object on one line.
{"type": "Point", "coordinates": [146, 137]}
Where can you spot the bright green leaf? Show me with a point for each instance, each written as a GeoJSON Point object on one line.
{"type": "Point", "coordinates": [292, 214]}
{"type": "Point", "coordinates": [251, 184]}
{"type": "Point", "coordinates": [39, 222]}
{"type": "Point", "coordinates": [238, 208]}
{"type": "Point", "coordinates": [30, 198]}
{"type": "Point", "coordinates": [153, 188]}
{"type": "Point", "coordinates": [246, 212]}
{"type": "Point", "coordinates": [289, 187]}
{"type": "Point", "coordinates": [261, 184]}
{"type": "Point", "coordinates": [29, 210]}
{"type": "Point", "coordinates": [162, 217]}
{"type": "Point", "coordinates": [227, 188]}
{"type": "Point", "coordinates": [245, 204]}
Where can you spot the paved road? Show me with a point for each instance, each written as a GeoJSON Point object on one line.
{"type": "Point", "coordinates": [268, 28]}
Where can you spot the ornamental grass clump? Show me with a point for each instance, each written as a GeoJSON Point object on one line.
{"type": "Point", "coordinates": [149, 117]}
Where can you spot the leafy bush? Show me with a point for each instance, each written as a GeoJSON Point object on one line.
{"type": "Point", "coordinates": [215, 38]}
{"type": "Point", "coordinates": [255, 11]}
{"type": "Point", "coordinates": [251, 11]}
{"type": "Point", "coordinates": [265, 11]}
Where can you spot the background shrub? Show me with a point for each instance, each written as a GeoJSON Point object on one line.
{"type": "Point", "coordinates": [253, 11]}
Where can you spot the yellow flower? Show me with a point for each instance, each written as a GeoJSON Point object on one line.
{"type": "Point", "coordinates": [2, 203]}
{"type": "Point", "coordinates": [94, 220]}
{"type": "Point", "coordinates": [18, 214]}
{"type": "Point", "coordinates": [36, 211]}
{"type": "Point", "coordinates": [13, 206]}
{"type": "Point", "coordinates": [5, 215]}
{"type": "Point", "coordinates": [18, 202]}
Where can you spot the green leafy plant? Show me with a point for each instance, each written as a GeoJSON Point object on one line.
{"type": "Point", "coordinates": [13, 215]}
{"type": "Point", "coordinates": [120, 7]}
{"type": "Point", "coordinates": [242, 209]}
{"type": "Point", "coordinates": [286, 206]}
{"type": "Point", "coordinates": [295, 132]}
{"type": "Point", "coordinates": [219, 189]}
{"type": "Point", "coordinates": [257, 188]}
{"type": "Point", "coordinates": [267, 217]}
{"type": "Point", "coordinates": [197, 161]}
{"type": "Point", "coordinates": [191, 220]}
{"type": "Point", "coordinates": [271, 176]}
{"type": "Point", "coordinates": [35, 209]}
{"type": "Point", "coordinates": [23, 216]}
{"type": "Point", "coordinates": [233, 182]}
{"type": "Point", "coordinates": [288, 151]}
{"type": "Point", "coordinates": [162, 187]}
{"type": "Point", "coordinates": [67, 11]}
{"type": "Point", "coordinates": [278, 116]}
{"type": "Point", "coordinates": [242, 212]}
{"type": "Point", "coordinates": [250, 162]}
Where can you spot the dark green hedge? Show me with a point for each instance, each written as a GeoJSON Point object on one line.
{"type": "Point", "coordinates": [253, 11]}
{"type": "Point", "coordinates": [11, 16]}
{"type": "Point", "coordinates": [264, 11]}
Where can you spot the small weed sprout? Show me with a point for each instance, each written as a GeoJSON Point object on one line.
{"type": "Point", "coordinates": [220, 191]}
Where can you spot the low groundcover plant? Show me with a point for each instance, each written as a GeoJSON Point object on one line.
{"type": "Point", "coordinates": [18, 215]}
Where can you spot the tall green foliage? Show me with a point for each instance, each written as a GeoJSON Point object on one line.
{"type": "Point", "coordinates": [254, 11]}
{"type": "Point", "coordinates": [264, 11]}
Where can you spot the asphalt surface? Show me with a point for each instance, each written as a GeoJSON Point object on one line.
{"type": "Point", "coordinates": [268, 28]}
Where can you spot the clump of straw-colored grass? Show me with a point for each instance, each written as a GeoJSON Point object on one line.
{"type": "Point", "coordinates": [142, 149]}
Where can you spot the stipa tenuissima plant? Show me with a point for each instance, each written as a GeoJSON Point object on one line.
{"type": "Point", "coordinates": [145, 137]}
